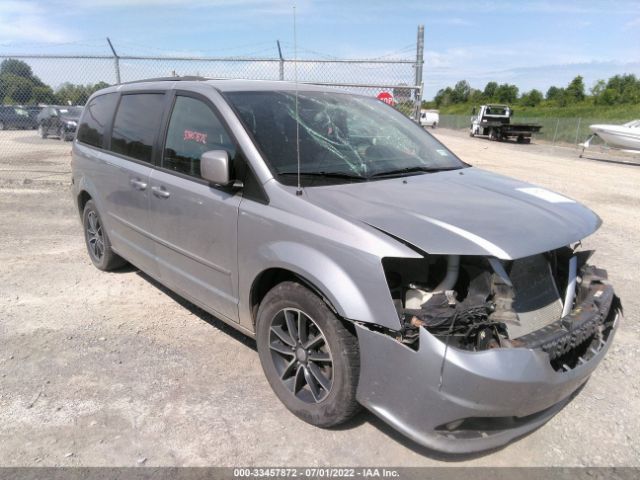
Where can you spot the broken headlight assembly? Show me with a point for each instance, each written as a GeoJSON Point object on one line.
{"type": "Point", "coordinates": [553, 301]}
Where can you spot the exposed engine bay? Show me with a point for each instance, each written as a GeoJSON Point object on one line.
{"type": "Point", "coordinates": [553, 301]}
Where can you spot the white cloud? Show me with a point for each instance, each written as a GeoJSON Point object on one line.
{"type": "Point", "coordinates": [635, 23]}
{"type": "Point", "coordinates": [240, 7]}
{"type": "Point", "coordinates": [28, 22]}
{"type": "Point", "coordinates": [452, 21]}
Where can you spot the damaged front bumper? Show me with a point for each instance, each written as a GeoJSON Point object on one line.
{"type": "Point", "coordinates": [461, 401]}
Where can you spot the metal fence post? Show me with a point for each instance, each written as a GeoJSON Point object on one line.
{"type": "Point", "coordinates": [556, 132]}
{"type": "Point", "coordinates": [578, 129]}
{"type": "Point", "coordinates": [419, 64]}
{"type": "Point", "coordinates": [281, 60]}
{"type": "Point", "coordinates": [116, 61]}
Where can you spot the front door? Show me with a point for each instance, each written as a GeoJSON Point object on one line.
{"type": "Point", "coordinates": [193, 223]}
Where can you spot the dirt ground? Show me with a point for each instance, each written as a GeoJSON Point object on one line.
{"type": "Point", "coordinates": [110, 369]}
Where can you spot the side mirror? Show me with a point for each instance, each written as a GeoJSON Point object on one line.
{"type": "Point", "coordinates": [214, 167]}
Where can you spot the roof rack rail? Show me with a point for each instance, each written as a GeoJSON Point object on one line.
{"type": "Point", "coordinates": [186, 78]}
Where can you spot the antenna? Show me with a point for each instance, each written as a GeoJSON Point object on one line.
{"type": "Point", "coordinates": [295, 79]}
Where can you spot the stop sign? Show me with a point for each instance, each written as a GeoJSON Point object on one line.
{"type": "Point", "coordinates": [386, 97]}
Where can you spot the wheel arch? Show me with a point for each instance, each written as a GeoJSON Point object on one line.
{"type": "Point", "coordinates": [269, 278]}
{"type": "Point", "coordinates": [82, 199]}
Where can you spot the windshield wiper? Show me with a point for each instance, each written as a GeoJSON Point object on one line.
{"type": "Point", "coordinates": [344, 175]}
{"type": "Point", "coordinates": [416, 169]}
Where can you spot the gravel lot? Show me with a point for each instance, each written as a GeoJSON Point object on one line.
{"type": "Point", "coordinates": [111, 369]}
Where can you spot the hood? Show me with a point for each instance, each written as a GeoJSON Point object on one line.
{"type": "Point", "coordinates": [464, 212]}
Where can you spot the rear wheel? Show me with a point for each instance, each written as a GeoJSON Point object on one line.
{"type": "Point", "coordinates": [42, 131]}
{"type": "Point", "coordinates": [97, 240]}
{"type": "Point", "coordinates": [309, 357]}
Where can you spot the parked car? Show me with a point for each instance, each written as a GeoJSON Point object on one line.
{"type": "Point", "coordinates": [15, 117]}
{"type": "Point", "coordinates": [33, 111]}
{"type": "Point", "coordinates": [372, 265]}
{"type": "Point", "coordinates": [429, 118]}
{"type": "Point", "coordinates": [58, 121]}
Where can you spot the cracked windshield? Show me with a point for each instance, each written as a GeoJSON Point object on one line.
{"type": "Point", "coordinates": [342, 137]}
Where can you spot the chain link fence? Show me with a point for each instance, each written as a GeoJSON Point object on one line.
{"type": "Point", "coordinates": [29, 82]}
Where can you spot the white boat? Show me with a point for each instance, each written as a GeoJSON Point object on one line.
{"type": "Point", "coordinates": [625, 137]}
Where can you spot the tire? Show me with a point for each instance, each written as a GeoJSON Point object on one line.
{"type": "Point", "coordinates": [1, 126]}
{"type": "Point", "coordinates": [325, 376]}
{"type": "Point", "coordinates": [97, 241]}
{"type": "Point", "coordinates": [42, 132]}
{"type": "Point", "coordinates": [62, 135]}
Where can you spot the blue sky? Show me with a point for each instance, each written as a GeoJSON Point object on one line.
{"type": "Point", "coordinates": [533, 44]}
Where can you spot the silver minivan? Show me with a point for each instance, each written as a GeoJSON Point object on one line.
{"type": "Point", "coordinates": [373, 267]}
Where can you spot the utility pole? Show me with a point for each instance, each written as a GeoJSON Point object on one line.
{"type": "Point", "coordinates": [116, 61]}
{"type": "Point", "coordinates": [281, 60]}
{"type": "Point", "coordinates": [419, 64]}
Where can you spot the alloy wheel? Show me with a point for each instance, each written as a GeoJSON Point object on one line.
{"type": "Point", "coordinates": [301, 355]}
{"type": "Point", "coordinates": [94, 236]}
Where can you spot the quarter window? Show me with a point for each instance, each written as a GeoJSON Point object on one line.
{"type": "Point", "coordinates": [96, 117]}
{"type": "Point", "coordinates": [193, 129]}
{"type": "Point", "coordinates": [136, 125]}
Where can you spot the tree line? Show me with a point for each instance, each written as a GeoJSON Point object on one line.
{"type": "Point", "coordinates": [19, 86]}
{"type": "Point", "coordinates": [618, 90]}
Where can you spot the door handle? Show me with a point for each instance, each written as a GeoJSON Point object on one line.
{"type": "Point", "coordinates": [160, 192]}
{"type": "Point", "coordinates": [138, 184]}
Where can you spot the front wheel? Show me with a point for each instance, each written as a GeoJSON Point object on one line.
{"type": "Point", "coordinates": [308, 355]}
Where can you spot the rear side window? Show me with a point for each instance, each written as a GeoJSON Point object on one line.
{"type": "Point", "coordinates": [97, 116]}
{"type": "Point", "coordinates": [136, 125]}
{"type": "Point", "coordinates": [193, 130]}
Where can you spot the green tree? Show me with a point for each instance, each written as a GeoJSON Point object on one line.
{"type": "Point", "coordinates": [609, 97]}
{"type": "Point", "coordinates": [490, 90]}
{"type": "Point", "coordinates": [43, 95]}
{"type": "Point", "coordinates": [575, 90]}
{"type": "Point", "coordinates": [532, 98]}
{"type": "Point", "coordinates": [444, 97]}
{"type": "Point", "coordinates": [597, 91]}
{"type": "Point", "coordinates": [476, 97]}
{"type": "Point", "coordinates": [12, 66]}
{"type": "Point", "coordinates": [553, 93]}
{"type": "Point", "coordinates": [19, 85]}
{"type": "Point", "coordinates": [461, 92]}
{"type": "Point", "coordinates": [69, 93]}
{"type": "Point", "coordinates": [506, 93]}
{"type": "Point", "coordinates": [16, 89]}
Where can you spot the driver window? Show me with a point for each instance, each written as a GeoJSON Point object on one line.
{"type": "Point", "coordinates": [193, 130]}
